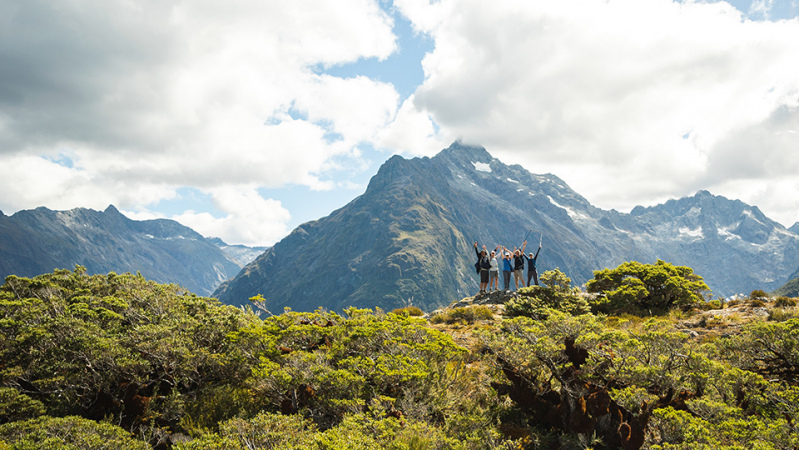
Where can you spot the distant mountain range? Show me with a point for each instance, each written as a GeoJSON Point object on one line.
{"type": "Point", "coordinates": [38, 241]}
{"type": "Point", "coordinates": [408, 238]}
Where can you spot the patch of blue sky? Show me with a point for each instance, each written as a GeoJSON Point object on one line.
{"type": "Point", "coordinates": [766, 9]}
{"type": "Point", "coordinates": [403, 68]}
{"type": "Point", "coordinates": [62, 160]}
{"type": "Point", "coordinates": [187, 199]}
{"type": "Point", "coordinates": [296, 114]}
{"type": "Point", "coordinates": [782, 9]}
{"type": "Point", "coordinates": [351, 177]}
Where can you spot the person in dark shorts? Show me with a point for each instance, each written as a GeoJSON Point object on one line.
{"type": "Point", "coordinates": [483, 264]}
{"type": "Point", "coordinates": [531, 270]}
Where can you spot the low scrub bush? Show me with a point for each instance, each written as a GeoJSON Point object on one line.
{"type": "Point", "coordinates": [555, 294]}
{"type": "Point", "coordinates": [784, 302]}
{"type": "Point", "coordinates": [713, 304]}
{"type": "Point", "coordinates": [757, 303]}
{"type": "Point", "coordinates": [781, 315]}
{"type": "Point", "coordinates": [413, 311]}
{"type": "Point", "coordinates": [468, 314]}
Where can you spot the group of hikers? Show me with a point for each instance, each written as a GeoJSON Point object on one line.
{"type": "Point", "coordinates": [512, 263]}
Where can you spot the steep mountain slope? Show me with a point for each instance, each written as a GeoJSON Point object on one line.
{"type": "Point", "coordinates": [408, 238]}
{"type": "Point", "coordinates": [791, 288]}
{"type": "Point", "coordinates": [37, 241]}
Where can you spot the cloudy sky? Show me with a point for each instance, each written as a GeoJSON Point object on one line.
{"type": "Point", "coordinates": [245, 118]}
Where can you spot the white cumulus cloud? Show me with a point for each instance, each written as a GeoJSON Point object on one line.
{"type": "Point", "coordinates": [630, 101]}
{"type": "Point", "coordinates": [150, 96]}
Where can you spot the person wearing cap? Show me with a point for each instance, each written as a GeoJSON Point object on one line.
{"type": "Point", "coordinates": [483, 264]}
{"type": "Point", "coordinates": [531, 270]}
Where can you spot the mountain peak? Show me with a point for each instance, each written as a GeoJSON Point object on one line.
{"type": "Point", "coordinates": [703, 194]}
{"type": "Point", "coordinates": [459, 150]}
{"type": "Point", "coordinates": [112, 210]}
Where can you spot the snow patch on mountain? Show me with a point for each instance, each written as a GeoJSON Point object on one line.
{"type": "Point", "coordinates": [696, 233]}
{"type": "Point", "coordinates": [481, 167]}
{"type": "Point", "coordinates": [725, 232]}
{"type": "Point", "coordinates": [570, 211]}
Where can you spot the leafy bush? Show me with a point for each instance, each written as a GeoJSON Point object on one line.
{"type": "Point", "coordinates": [781, 315]}
{"type": "Point", "coordinates": [768, 348]}
{"type": "Point", "coordinates": [784, 302]}
{"type": "Point", "coordinates": [165, 364]}
{"type": "Point", "coordinates": [651, 387]}
{"type": "Point", "coordinates": [712, 304]}
{"type": "Point", "coordinates": [16, 406]}
{"type": "Point", "coordinates": [758, 294]}
{"type": "Point", "coordinates": [115, 346]}
{"type": "Point", "coordinates": [67, 433]}
{"type": "Point", "coordinates": [327, 366]}
{"type": "Point", "coordinates": [414, 311]}
{"type": "Point", "coordinates": [368, 431]}
{"type": "Point", "coordinates": [556, 293]}
{"type": "Point", "coordinates": [636, 286]}
{"type": "Point", "coordinates": [466, 314]}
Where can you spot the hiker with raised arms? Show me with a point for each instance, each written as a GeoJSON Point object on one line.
{"type": "Point", "coordinates": [518, 265]}
{"type": "Point", "coordinates": [507, 267]}
{"type": "Point", "coordinates": [531, 260]}
{"type": "Point", "coordinates": [483, 265]}
{"type": "Point", "coordinates": [493, 273]}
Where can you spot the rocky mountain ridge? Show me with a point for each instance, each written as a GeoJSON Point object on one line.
{"type": "Point", "coordinates": [37, 241]}
{"type": "Point", "coordinates": [408, 238]}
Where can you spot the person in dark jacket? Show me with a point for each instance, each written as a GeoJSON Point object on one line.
{"type": "Point", "coordinates": [518, 265]}
{"type": "Point", "coordinates": [531, 270]}
{"type": "Point", "coordinates": [484, 265]}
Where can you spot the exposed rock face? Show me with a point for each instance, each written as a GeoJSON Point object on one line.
{"type": "Point", "coordinates": [38, 241]}
{"type": "Point", "coordinates": [408, 238]}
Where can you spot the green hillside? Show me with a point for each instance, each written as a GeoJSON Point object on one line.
{"type": "Point", "coordinates": [791, 288]}
{"type": "Point", "coordinates": [118, 361]}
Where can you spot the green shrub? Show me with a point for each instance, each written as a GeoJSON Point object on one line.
{"type": "Point", "coordinates": [758, 294]}
{"type": "Point", "coordinates": [85, 342]}
{"type": "Point", "coordinates": [466, 314]}
{"type": "Point", "coordinates": [555, 293]}
{"type": "Point", "coordinates": [636, 286]}
{"type": "Point", "coordinates": [713, 304]}
{"type": "Point", "coordinates": [68, 433]}
{"type": "Point", "coordinates": [756, 303]}
{"type": "Point", "coordinates": [15, 406]}
{"type": "Point", "coordinates": [784, 302]}
{"type": "Point", "coordinates": [413, 311]}
{"type": "Point", "coordinates": [781, 315]}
